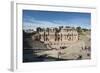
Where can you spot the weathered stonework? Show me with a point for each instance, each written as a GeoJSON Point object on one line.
{"type": "Point", "coordinates": [57, 39]}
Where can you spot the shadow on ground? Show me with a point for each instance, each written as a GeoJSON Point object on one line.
{"type": "Point", "coordinates": [30, 56]}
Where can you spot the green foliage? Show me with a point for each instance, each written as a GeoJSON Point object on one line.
{"type": "Point", "coordinates": [79, 30]}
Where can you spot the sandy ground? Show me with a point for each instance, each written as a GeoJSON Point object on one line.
{"type": "Point", "coordinates": [72, 52]}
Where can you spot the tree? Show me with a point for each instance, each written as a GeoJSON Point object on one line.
{"type": "Point", "coordinates": [38, 29]}
{"type": "Point", "coordinates": [84, 29]}
{"type": "Point", "coordinates": [79, 30]}
{"type": "Point", "coordinates": [47, 29]}
{"type": "Point", "coordinates": [57, 30]}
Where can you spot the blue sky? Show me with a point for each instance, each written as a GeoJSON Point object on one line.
{"type": "Point", "coordinates": [33, 19]}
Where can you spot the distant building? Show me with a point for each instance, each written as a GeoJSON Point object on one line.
{"type": "Point", "coordinates": [57, 38]}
